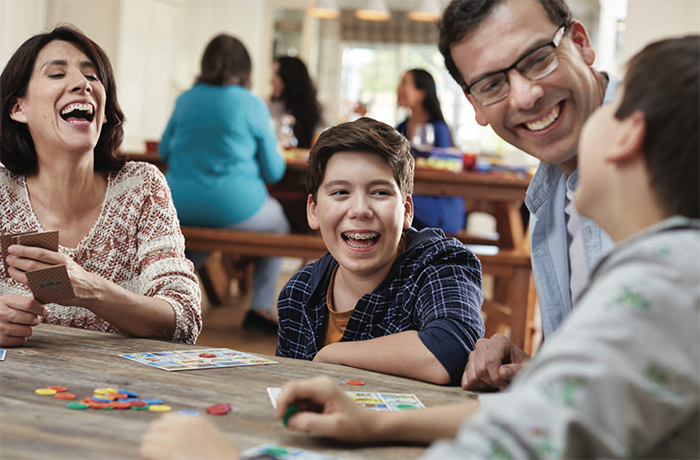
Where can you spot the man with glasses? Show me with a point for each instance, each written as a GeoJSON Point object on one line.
{"type": "Point", "coordinates": [526, 68]}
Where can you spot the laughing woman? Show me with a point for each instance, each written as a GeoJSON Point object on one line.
{"type": "Point", "coordinates": [119, 236]}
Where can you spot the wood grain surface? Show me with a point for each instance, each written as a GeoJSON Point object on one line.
{"type": "Point", "coordinates": [41, 427]}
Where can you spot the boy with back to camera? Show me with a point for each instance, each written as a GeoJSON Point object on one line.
{"type": "Point", "coordinates": [386, 298]}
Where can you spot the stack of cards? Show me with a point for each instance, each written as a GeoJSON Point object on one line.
{"type": "Point", "coordinates": [48, 284]}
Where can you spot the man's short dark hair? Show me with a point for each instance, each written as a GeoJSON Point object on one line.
{"type": "Point", "coordinates": [663, 82]}
{"type": "Point", "coordinates": [17, 151]}
{"type": "Point", "coordinates": [363, 135]}
{"type": "Point", "coordinates": [462, 16]}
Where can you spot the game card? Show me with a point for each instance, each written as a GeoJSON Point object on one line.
{"type": "Point", "coordinates": [45, 240]}
{"type": "Point", "coordinates": [2, 354]}
{"type": "Point", "coordinates": [372, 401]}
{"type": "Point", "coordinates": [198, 358]}
{"type": "Point", "coordinates": [51, 284]}
{"type": "Point", "coordinates": [274, 452]}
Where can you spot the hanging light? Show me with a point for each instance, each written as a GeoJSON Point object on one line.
{"type": "Point", "coordinates": [374, 10]}
{"type": "Point", "coordinates": [324, 9]}
{"type": "Point", "coordinates": [427, 11]}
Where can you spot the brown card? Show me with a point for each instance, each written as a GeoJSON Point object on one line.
{"type": "Point", "coordinates": [8, 240]}
{"type": "Point", "coordinates": [50, 284]}
{"type": "Point", "coordinates": [46, 240]}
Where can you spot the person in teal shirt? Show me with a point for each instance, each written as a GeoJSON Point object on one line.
{"type": "Point", "coordinates": [221, 151]}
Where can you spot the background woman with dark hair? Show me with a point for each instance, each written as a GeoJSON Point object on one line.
{"type": "Point", "coordinates": [221, 151]}
{"type": "Point", "coordinates": [294, 93]}
{"type": "Point", "coordinates": [417, 92]}
{"type": "Point", "coordinates": [119, 238]}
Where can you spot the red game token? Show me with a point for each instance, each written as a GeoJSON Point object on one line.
{"type": "Point", "coordinates": [64, 396]}
{"type": "Point", "coordinates": [207, 355]}
{"type": "Point", "coordinates": [98, 405]}
{"type": "Point", "coordinates": [137, 403]}
{"type": "Point", "coordinates": [357, 383]}
{"type": "Point", "coordinates": [58, 388]}
{"type": "Point", "coordinates": [219, 409]}
{"type": "Point", "coordinates": [120, 405]}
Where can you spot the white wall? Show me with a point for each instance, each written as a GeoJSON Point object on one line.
{"type": "Point", "coordinates": [650, 20]}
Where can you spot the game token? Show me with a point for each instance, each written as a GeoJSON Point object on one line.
{"type": "Point", "coordinates": [152, 401]}
{"type": "Point", "coordinates": [159, 408]}
{"type": "Point", "coordinates": [64, 396]}
{"type": "Point", "coordinates": [118, 405]}
{"type": "Point", "coordinates": [207, 355]}
{"type": "Point", "coordinates": [140, 407]}
{"type": "Point", "coordinates": [291, 410]}
{"type": "Point", "coordinates": [101, 391]}
{"type": "Point", "coordinates": [188, 412]}
{"type": "Point", "coordinates": [98, 405]}
{"type": "Point", "coordinates": [101, 399]}
{"type": "Point", "coordinates": [45, 392]}
{"type": "Point", "coordinates": [115, 395]}
{"type": "Point", "coordinates": [127, 400]}
{"type": "Point", "coordinates": [138, 404]}
{"type": "Point", "coordinates": [130, 394]}
{"type": "Point", "coordinates": [76, 405]}
{"type": "Point", "coordinates": [58, 388]}
{"type": "Point", "coordinates": [357, 383]}
{"type": "Point", "coordinates": [219, 409]}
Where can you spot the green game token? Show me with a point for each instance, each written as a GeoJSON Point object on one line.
{"type": "Point", "coordinates": [140, 407]}
{"type": "Point", "coordinates": [291, 410]}
{"type": "Point", "coordinates": [76, 405]}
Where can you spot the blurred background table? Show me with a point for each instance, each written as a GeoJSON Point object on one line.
{"type": "Point", "coordinates": [42, 427]}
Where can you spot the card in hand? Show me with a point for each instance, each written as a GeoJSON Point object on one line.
{"type": "Point", "coordinates": [46, 240]}
{"type": "Point", "coordinates": [51, 284]}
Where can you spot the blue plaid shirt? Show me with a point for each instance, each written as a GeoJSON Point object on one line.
{"type": "Point", "coordinates": [433, 287]}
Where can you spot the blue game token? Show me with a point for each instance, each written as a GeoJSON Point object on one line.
{"type": "Point", "coordinates": [130, 394]}
{"type": "Point", "coordinates": [98, 399]}
{"type": "Point", "coordinates": [152, 401]}
{"type": "Point", "coordinates": [127, 399]}
{"type": "Point", "coordinates": [188, 412]}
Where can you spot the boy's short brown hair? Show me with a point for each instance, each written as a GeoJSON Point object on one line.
{"type": "Point", "coordinates": [363, 135]}
{"type": "Point", "coordinates": [663, 82]}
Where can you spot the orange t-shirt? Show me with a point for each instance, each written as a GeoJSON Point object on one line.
{"type": "Point", "coordinates": [336, 321]}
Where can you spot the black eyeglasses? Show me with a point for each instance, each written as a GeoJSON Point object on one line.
{"type": "Point", "coordinates": [534, 66]}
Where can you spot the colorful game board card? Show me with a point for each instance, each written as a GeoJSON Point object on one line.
{"type": "Point", "coordinates": [50, 284]}
{"type": "Point", "coordinates": [373, 401]}
{"type": "Point", "coordinates": [2, 354]}
{"type": "Point", "coordinates": [187, 360]}
{"type": "Point", "coordinates": [275, 452]}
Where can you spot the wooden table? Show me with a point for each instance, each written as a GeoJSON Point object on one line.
{"type": "Point", "coordinates": [41, 427]}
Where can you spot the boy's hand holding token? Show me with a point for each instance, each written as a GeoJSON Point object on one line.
{"type": "Point", "coordinates": [318, 407]}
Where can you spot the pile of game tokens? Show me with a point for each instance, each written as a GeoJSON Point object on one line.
{"type": "Point", "coordinates": [120, 399]}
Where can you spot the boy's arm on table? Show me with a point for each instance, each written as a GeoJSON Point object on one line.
{"type": "Point", "coordinates": [324, 410]}
{"type": "Point", "coordinates": [401, 354]}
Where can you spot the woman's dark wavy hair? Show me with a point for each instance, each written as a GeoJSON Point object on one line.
{"type": "Point", "coordinates": [299, 97]}
{"type": "Point", "coordinates": [423, 81]}
{"type": "Point", "coordinates": [17, 150]}
{"type": "Point", "coordinates": [225, 62]}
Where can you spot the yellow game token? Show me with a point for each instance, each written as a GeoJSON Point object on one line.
{"type": "Point", "coordinates": [159, 408]}
{"type": "Point", "coordinates": [45, 392]}
{"type": "Point", "coordinates": [101, 391]}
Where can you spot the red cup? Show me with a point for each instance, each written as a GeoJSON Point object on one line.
{"type": "Point", "coordinates": [469, 161]}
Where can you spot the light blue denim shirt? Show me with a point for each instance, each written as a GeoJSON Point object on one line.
{"type": "Point", "coordinates": [546, 199]}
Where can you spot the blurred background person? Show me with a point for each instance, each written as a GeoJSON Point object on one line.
{"type": "Point", "coordinates": [293, 93]}
{"type": "Point", "coordinates": [425, 128]}
{"type": "Point", "coordinates": [221, 151]}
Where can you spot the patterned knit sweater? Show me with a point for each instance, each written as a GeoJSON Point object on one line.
{"type": "Point", "coordinates": [135, 242]}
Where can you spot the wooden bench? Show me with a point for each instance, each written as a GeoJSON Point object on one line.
{"type": "Point", "coordinates": [510, 311]}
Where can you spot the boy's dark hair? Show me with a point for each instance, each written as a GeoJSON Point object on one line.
{"type": "Point", "coordinates": [225, 62]}
{"type": "Point", "coordinates": [363, 135]}
{"type": "Point", "coordinates": [663, 82]}
{"type": "Point", "coordinates": [462, 16]}
{"type": "Point", "coordinates": [17, 150]}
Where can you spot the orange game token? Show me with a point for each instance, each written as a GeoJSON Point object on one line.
{"type": "Point", "coordinates": [64, 396]}
{"type": "Point", "coordinates": [138, 404]}
{"type": "Point", "coordinates": [97, 405]}
{"type": "Point", "coordinates": [219, 409]}
{"type": "Point", "coordinates": [58, 388]}
{"type": "Point", "coordinates": [119, 405]}
{"type": "Point", "coordinates": [357, 383]}
{"type": "Point", "coordinates": [207, 355]}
